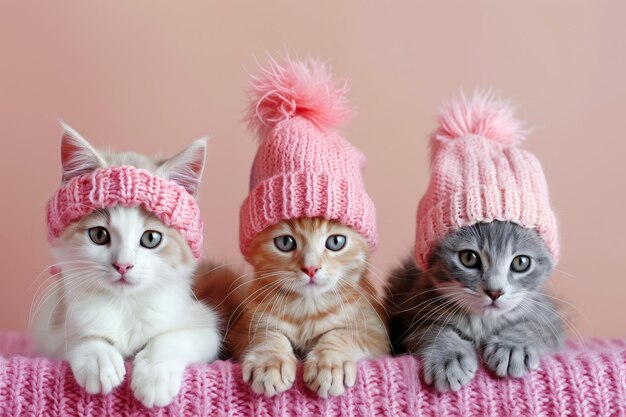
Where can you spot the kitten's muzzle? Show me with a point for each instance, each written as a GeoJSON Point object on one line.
{"type": "Point", "coordinates": [310, 270]}
{"type": "Point", "coordinates": [494, 294]}
{"type": "Point", "coordinates": [122, 268]}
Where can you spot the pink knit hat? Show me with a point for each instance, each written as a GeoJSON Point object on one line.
{"type": "Point", "coordinates": [478, 175]}
{"type": "Point", "coordinates": [130, 187]}
{"type": "Point", "coordinates": [303, 167]}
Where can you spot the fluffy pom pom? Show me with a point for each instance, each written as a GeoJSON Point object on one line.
{"type": "Point", "coordinates": [296, 88]}
{"type": "Point", "coordinates": [484, 114]}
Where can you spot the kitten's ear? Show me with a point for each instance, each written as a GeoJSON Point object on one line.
{"type": "Point", "coordinates": [186, 168]}
{"type": "Point", "coordinates": [77, 155]}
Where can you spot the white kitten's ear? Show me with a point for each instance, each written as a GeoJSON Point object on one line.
{"type": "Point", "coordinates": [186, 167]}
{"type": "Point", "coordinates": [77, 155]}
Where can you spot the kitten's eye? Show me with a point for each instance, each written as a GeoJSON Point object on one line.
{"type": "Point", "coordinates": [285, 243]}
{"type": "Point", "coordinates": [150, 239]}
{"type": "Point", "coordinates": [335, 242]}
{"type": "Point", "coordinates": [99, 235]}
{"type": "Point", "coordinates": [469, 259]}
{"type": "Point", "coordinates": [520, 263]}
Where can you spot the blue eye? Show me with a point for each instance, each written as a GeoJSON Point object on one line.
{"type": "Point", "coordinates": [469, 259]}
{"type": "Point", "coordinates": [335, 242]}
{"type": "Point", "coordinates": [150, 239]}
{"type": "Point", "coordinates": [99, 235]}
{"type": "Point", "coordinates": [285, 243]}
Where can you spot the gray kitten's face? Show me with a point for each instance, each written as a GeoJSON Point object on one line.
{"type": "Point", "coordinates": [490, 268]}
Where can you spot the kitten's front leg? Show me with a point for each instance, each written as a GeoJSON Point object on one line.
{"type": "Point", "coordinates": [97, 365]}
{"type": "Point", "coordinates": [449, 361]}
{"type": "Point", "coordinates": [330, 367]}
{"type": "Point", "coordinates": [270, 364]}
{"type": "Point", "coordinates": [158, 369]}
{"type": "Point", "coordinates": [509, 356]}
{"type": "Point", "coordinates": [516, 350]}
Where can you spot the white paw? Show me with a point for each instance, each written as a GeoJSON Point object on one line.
{"type": "Point", "coordinates": [97, 366]}
{"type": "Point", "coordinates": [156, 383]}
{"type": "Point", "coordinates": [329, 373]}
{"type": "Point", "coordinates": [449, 369]}
{"type": "Point", "coordinates": [269, 375]}
{"type": "Point", "coordinates": [509, 359]}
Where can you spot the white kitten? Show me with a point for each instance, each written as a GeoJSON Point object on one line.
{"type": "Point", "coordinates": [124, 289]}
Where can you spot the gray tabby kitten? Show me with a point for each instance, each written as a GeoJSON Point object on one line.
{"type": "Point", "coordinates": [481, 299]}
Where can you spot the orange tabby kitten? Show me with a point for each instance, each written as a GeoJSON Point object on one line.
{"type": "Point", "coordinates": [310, 297]}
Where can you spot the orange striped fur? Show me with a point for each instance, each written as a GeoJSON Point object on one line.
{"type": "Point", "coordinates": [331, 324]}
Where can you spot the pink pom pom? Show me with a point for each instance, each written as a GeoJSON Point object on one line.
{"type": "Point", "coordinates": [297, 88]}
{"type": "Point", "coordinates": [485, 114]}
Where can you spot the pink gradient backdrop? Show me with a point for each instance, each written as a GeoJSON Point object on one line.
{"type": "Point", "coordinates": [152, 76]}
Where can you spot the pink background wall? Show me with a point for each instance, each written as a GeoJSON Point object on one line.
{"type": "Point", "coordinates": [154, 75]}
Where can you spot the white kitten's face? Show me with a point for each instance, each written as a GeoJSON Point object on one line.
{"type": "Point", "coordinates": [123, 250]}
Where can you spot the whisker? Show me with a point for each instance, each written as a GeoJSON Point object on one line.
{"type": "Point", "coordinates": [565, 320]}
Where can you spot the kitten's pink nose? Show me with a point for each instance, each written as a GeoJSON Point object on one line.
{"type": "Point", "coordinates": [122, 268]}
{"type": "Point", "coordinates": [310, 270]}
{"type": "Point", "coordinates": [494, 294]}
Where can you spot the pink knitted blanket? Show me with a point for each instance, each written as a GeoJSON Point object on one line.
{"type": "Point", "coordinates": [587, 380]}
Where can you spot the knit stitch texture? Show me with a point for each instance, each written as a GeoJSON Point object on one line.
{"type": "Point", "coordinates": [130, 187]}
{"type": "Point", "coordinates": [478, 175]}
{"type": "Point", "coordinates": [303, 167]}
{"type": "Point", "coordinates": [580, 381]}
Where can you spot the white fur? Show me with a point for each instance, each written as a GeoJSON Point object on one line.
{"type": "Point", "coordinates": [77, 155]}
{"type": "Point", "coordinates": [186, 167]}
{"type": "Point", "coordinates": [153, 318]}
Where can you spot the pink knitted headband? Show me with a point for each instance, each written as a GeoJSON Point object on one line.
{"type": "Point", "coordinates": [129, 187]}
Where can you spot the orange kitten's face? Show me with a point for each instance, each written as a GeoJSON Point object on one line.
{"type": "Point", "coordinates": [309, 256]}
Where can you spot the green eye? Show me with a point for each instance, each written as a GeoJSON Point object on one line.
{"type": "Point", "coordinates": [520, 263]}
{"type": "Point", "coordinates": [469, 259]}
{"type": "Point", "coordinates": [336, 242]}
{"type": "Point", "coordinates": [99, 235]}
{"type": "Point", "coordinates": [150, 239]}
{"type": "Point", "coordinates": [285, 243]}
